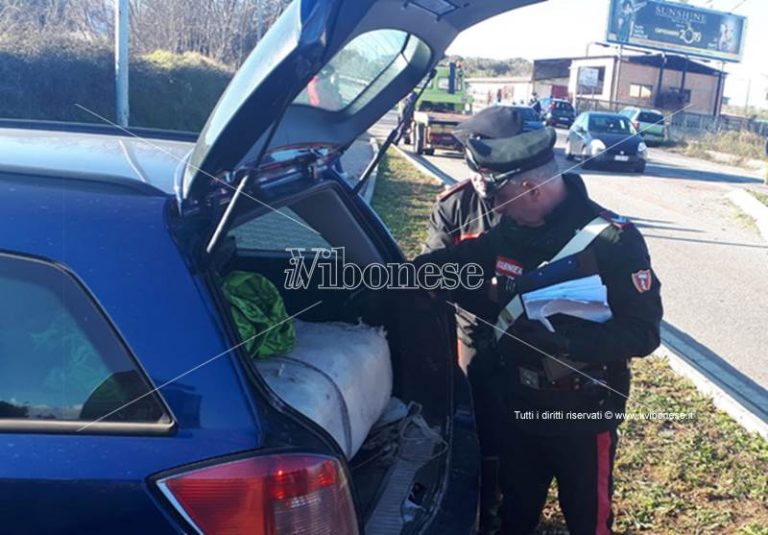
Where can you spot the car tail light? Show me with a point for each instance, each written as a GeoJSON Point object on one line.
{"type": "Point", "coordinates": [636, 124]}
{"type": "Point", "coordinates": [292, 493]}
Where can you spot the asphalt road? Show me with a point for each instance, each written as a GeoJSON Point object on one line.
{"type": "Point", "coordinates": [711, 259]}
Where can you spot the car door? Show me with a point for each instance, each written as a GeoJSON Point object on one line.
{"type": "Point", "coordinates": [75, 449]}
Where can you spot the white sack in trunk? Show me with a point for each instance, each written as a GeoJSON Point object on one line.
{"type": "Point", "coordinates": [339, 375]}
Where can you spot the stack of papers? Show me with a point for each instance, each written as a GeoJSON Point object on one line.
{"type": "Point", "coordinates": [585, 298]}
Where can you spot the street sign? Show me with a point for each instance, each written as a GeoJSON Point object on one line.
{"type": "Point", "coordinates": [677, 28]}
{"type": "Point", "coordinates": [589, 77]}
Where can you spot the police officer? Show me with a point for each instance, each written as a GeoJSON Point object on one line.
{"type": "Point", "coordinates": [463, 212]}
{"type": "Point", "coordinates": [559, 395]}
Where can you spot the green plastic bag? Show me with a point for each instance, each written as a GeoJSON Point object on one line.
{"type": "Point", "coordinates": [259, 313]}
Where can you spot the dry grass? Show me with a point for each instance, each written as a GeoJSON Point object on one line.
{"type": "Point", "coordinates": [43, 78]}
{"type": "Point", "coordinates": [743, 146]}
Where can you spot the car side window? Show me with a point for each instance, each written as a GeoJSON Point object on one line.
{"type": "Point", "coordinates": [60, 358]}
{"type": "Point", "coordinates": [274, 231]}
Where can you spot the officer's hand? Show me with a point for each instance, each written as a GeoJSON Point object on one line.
{"type": "Point", "coordinates": [535, 334]}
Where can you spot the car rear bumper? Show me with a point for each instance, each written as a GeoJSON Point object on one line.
{"type": "Point", "coordinates": [619, 160]}
{"type": "Point", "coordinates": [654, 137]}
{"type": "Point", "coordinates": [443, 141]}
{"type": "Point", "coordinates": [560, 121]}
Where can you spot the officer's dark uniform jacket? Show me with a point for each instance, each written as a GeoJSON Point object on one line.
{"type": "Point", "coordinates": [633, 295]}
{"type": "Point", "coordinates": [461, 214]}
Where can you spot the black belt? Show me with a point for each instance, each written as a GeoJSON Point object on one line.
{"type": "Point", "coordinates": [537, 380]}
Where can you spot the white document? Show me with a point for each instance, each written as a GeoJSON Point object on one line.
{"type": "Point", "coordinates": [585, 298]}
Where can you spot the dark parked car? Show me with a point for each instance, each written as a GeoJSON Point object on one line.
{"type": "Point", "coordinates": [128, 400]}
{"type": "Point", "coordinates": [531, 120]}
{"type": "Point", "coordinates": [606, 138]}
{"type": "Point", "coordinates": [557, 112]}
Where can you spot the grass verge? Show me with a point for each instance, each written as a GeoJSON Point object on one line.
{"type": "Point", "coordinates": [696, 476]}
{"type": "Point", "coordinates": [741, 146]}
{"type": "Point", "coordinates": [404, 198]}
{"type": "Point", "coordinates": [762, 197]}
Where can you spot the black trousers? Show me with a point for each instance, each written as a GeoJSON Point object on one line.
{"type": "Point", "coordinates": [479, 364]}
{"type": "Point", "coordinates": [583, 468]}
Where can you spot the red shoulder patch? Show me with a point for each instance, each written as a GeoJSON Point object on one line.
{"type": "Point", "coordinates": [642, 280]}
{"type": "Point", "coordinates": [454, 189]}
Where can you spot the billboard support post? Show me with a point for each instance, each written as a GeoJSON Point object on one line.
{"type": "Point", "coordinates": [719, 94]}
{"type": "Point", "coordinates": [659, 100]}
{"type": "Point", "coordinates": [682, 83]}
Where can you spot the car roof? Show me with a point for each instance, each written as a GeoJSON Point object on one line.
{"type": "Point", "coordinates": [604, 114]}
{"type": "Point", "coordinates": [148, 159]}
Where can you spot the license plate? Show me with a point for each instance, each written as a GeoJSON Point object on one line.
{"type": "Point", "coordinates": [622, 158]}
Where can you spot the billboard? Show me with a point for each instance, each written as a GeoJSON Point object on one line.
{"type": "Point", "coordinates": [678, 28]}
{"type": "Point", "coordinates": [589, 77]}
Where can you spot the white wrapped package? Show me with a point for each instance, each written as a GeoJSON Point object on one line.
{"type": "Point", "coordinates": [338, 375]}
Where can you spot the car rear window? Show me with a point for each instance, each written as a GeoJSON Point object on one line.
{"type": "Point", "coordinates": [565, 106]}
{"type": "Point", "coordinates": [610, 124]}
{"type": "Point", "coordinates": [650, 117]}
{"type": "Point", "coordinates": [60, 359]}
{"type": "Point", "coordinates": [361, 70]}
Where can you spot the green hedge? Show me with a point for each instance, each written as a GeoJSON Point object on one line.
{"type": "Point", "coordinates": [44, 79]}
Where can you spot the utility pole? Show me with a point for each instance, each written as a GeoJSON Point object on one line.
{"type": "Point", "coordinates": [746, 100]}
{"type": "Point", "coordinates": [259, 19]}
{"type": "Point", "coordinates": [617, 79]}
{"type": "Point", "coordinates": [121, 62]}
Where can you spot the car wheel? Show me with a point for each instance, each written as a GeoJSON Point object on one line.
{"type": "Point", "coordinates": [419, 139]}
{"type": "Point", "coordinates": [568, 151]}
{"type": "Point", "coordinates": [586, 163]}
{"type": "Point", "coordinates": [429, 152]}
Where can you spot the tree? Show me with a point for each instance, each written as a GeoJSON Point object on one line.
{"type": "Point", "coordinates": [224, 30]}
{"type": "Point", "coordinates": [494, 67]}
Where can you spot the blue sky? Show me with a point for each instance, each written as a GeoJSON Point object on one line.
{"type": "Point", "coordinates": [562, 28]}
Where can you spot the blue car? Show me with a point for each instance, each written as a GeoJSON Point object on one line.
{"type": "Point", "coordinates": [128, 401]}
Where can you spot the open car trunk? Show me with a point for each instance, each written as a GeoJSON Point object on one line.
{"type": "Point", "coordinates": [401, 469]}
